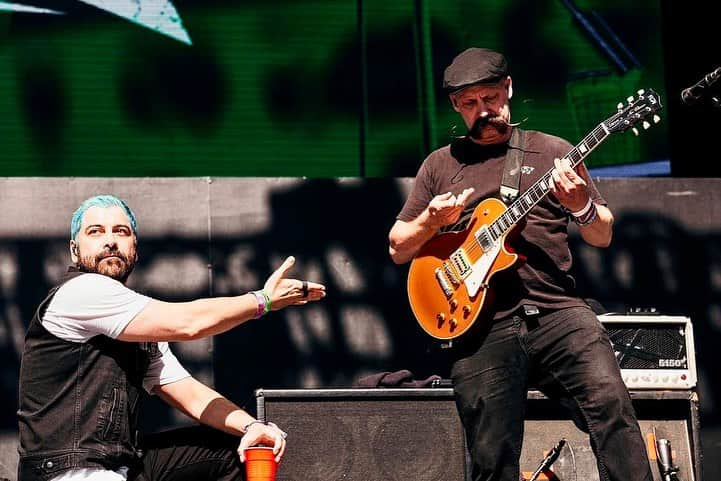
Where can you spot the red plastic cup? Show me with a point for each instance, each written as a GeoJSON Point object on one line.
{"type": "Point", "coordinates": [260, 464]}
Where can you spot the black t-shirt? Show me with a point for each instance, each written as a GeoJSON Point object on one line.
{"type": "Point", "coordinates": [544, 279]}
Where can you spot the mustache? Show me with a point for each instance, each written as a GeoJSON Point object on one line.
{"type": "Point", "coordinates": [111, 253]}
{"type": "Point", "coordinates": [476, 129]}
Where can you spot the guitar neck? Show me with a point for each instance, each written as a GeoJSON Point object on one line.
{"type": "Point", "coordinates": [541, 187]}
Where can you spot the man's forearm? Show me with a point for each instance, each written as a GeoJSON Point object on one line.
{"type": "Point", "coordinates": [184, 321]}
{"type": "Point", "coordinates": [205, 405]}
{"type": "Point", "coordinates": [406, 238]}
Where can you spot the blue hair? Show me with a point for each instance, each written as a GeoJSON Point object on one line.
{"type": "Point", "coordinates": [104, 201]}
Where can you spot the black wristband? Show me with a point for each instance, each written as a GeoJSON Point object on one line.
{"type": "Point", "coordinates": [247, 426]}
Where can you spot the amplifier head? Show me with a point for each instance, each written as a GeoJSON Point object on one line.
{"type": "Point", "coordinates": [654, 352]}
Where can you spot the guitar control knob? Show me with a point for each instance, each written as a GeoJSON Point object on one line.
{"type": "Point", "coordinates": [454, 324]}
{"type": "Point", "coordinates": [454, 304]}
{"type": "Point", "coordinates": [466, 310]}
{"type": "Point", "coordinates": [441, 318]}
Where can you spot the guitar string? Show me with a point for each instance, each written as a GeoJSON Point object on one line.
{"type": "Point", "coordinates": [590, 142]}
{"type": "Point", "coordinates": [505, 220]}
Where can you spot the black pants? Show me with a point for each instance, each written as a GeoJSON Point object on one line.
{"type": "Point", "coordinates": [189, 454]}
{"type": "Point", "coordinates": [568, 356]}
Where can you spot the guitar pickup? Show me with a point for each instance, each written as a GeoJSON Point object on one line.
{"type": "Point", "coordinates": [484, 238]}
{"type": "Point", "coordinates": [460, 262]}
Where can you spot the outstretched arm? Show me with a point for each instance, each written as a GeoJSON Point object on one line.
{"type": "Point", "coordinates": [182, 321]}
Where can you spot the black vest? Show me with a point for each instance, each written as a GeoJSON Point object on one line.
{"type": "Point", "coordinates": [78, 401]}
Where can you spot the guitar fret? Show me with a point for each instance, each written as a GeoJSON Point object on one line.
{"type": "Point", "coordinates": [525, 203]}
{"type": "Point", "coordinates": [535, 194]}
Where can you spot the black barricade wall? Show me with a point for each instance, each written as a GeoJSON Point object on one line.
{"type": "Point", "coordinates": [223, 236]}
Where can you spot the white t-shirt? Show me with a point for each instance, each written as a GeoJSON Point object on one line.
{"type": "Point", "coordinates": [94, 304]}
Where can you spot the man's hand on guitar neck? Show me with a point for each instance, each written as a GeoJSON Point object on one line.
{"type": "Point", "coordinates": [568, 185]}
{"type": "Point", "coordinates": [406, 238]}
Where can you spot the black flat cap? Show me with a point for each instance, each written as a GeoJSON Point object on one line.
{"type": "Point", "coordinates": [474, 66]}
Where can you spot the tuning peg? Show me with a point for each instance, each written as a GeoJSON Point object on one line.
{"type": "Point", "coordinates": [630, 99]}
{"type": "Point", "coordinates": [646, 125]}
{"type": "Point", "coordinates": [641, 92]}
{"type": "Point", "coordinates": [656, 119]}
{"type": "Point", "coordinates": [619, 106]}
{"type": "Point", "coordinates": [635, 131]}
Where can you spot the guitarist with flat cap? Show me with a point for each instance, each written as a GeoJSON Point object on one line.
{"type": "Point", "coordinates": [494, 276]}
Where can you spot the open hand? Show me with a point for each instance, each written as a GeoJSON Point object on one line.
{"type": "Point", "coordinates": [446, 209]}
{"type": "Point", "coordinates": [285, 292]}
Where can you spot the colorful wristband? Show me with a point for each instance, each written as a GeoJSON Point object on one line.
{"type": "Point", "coordinates": [262, 304]}
{"type": "Point", "coordinates": [267, 303]}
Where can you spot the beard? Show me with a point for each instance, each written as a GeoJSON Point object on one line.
{"type": "Point", "coordinates": [496, 122]}
{"type": "Point", "coordinates": [111, 263]}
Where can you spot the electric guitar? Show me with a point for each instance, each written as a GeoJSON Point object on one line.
{"type": "Point", "coordinates": [449, 278]}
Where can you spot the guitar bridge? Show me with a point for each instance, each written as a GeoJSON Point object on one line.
{"type": "Point", "coordinates": [443, 283]}
{"type": "Point", "coordinates": [450, 274]}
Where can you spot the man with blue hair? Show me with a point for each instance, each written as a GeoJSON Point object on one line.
{"type": "Point", "coordinates": [94, 345]}
{"type": "Point", "coordinates": [91, 265]}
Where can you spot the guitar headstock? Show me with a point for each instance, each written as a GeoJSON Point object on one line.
{"type": "Point", "coordinates": [638, 109]}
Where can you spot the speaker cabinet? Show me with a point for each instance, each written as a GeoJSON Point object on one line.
{"type": "Point", "coordinates": [367, 434]}
{"type": "Point", "coordinates": [671, 415]}
{"type": "Point", "coordinates": [415, 434]}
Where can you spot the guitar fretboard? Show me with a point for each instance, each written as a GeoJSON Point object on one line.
{"type": "Point", "coordinates": [541, 187]}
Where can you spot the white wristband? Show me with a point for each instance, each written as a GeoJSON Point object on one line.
{"type": "Point", "coordinates": [583, 211]}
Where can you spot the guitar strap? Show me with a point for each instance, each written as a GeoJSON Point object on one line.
{"type": "Point", "coordinates": [510, 185]}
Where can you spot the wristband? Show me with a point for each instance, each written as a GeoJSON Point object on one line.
{"type": "Point", "coordinates": [584, 210]}
{"type": "Point", "coordinates": [260, 297]}
{"type": "Point", "coordinates": [266, 307]}
{"type": "Point", "coordinates": [588, 217]}
{"type": "Point", "coordinates": [247, 426]}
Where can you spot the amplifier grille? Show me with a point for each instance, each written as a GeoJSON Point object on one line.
{"type": "Point", "coordinates": [649, 347]}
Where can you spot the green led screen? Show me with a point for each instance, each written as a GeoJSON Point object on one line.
{"type": "Point", "coordinates": [323, 88]}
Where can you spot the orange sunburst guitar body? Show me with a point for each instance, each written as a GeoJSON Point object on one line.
{"type": "Point", "coordinates": [449, 281]}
